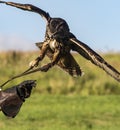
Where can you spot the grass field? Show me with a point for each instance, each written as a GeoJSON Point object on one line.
{"type": "Point", "coordinates": [60, 102]}
{"type": "Point", "coordinates": [56, 81]}
{"type": "Point", "coordinates": [61, 112]}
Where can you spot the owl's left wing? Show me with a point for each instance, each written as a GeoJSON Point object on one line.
{"type": "Point", "coordinates": [95, 58]}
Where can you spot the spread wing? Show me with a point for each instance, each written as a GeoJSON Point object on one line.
{"type": "Point", "coordinates": [95, 58]}
{"type": "Point", "coordinates": [29, 7]}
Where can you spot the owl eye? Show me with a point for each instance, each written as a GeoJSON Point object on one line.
{"type": "Point", "coordinates": [54, 23]}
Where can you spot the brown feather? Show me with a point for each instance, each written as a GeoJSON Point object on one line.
{"type": "Point", "coordinates": [66, 62]}
{"type": "Point", "coordinates": [95, 58]}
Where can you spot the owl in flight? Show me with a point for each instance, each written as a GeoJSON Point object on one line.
{"type": "Point", "coordinates": [59, 42]}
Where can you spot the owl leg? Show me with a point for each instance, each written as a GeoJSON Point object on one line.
{"type": "Point", "coordinates": [42, 53]}
{"type": "Point", "coordinates": [55, 59]}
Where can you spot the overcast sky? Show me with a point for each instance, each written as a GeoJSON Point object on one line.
{"type": "Point", "coordinates": [95, 22]}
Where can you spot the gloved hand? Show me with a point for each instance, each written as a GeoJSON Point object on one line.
{"type": "Point", "coordinates": [12, 98]}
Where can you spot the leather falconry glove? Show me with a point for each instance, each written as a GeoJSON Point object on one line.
{"type": "Point", "coordinates": [12, 98]}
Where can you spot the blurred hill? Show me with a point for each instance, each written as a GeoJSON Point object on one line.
{"type": "Point", "coordinates": [56, 81]}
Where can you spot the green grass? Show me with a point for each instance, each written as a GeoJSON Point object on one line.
{"type": "Point", "coordinates": [60, 112]}
{"type": "Point", "coordinates": [56, 81]}
{"type": "Point", "coordinates": [60, 102]}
